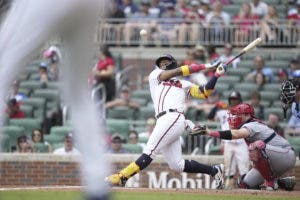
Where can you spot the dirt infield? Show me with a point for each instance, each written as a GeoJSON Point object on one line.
{"type": "Point", "coordinates": [150, 190]}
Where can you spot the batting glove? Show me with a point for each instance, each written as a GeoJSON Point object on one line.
{"type": "Point", "coordinates": [221, 69]}
{"type": "Point", "coordinates": [198, 130]}
{"type": "Point", "coordinates": [213, 65]}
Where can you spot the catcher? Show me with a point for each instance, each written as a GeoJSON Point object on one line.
{"type": "Point", "coordinates": [266, 149]}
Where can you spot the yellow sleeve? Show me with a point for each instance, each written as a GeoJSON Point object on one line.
{"type": "Point", "coordinates": [196, 92]}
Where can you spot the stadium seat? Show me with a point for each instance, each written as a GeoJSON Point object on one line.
{"type": "Point", "coordinates": [53, 139]}
{"type": "Point", "coordinates": [4, 143]}
{"type": "Point", "coordinates": [222, 87]}
{"type": "Point", "coordinates": [121, 112]}
{"type": "Point", "coordinates": [31, 69]}
{"type": "Point", "coordinates": [27, 109]}
{"type": "Point", "coordinates": [229, 80]}
{"type": "Point", "coordinates": [40, 148]}
{"type": "Point", "coordinates": [29, 124]}
{"type": "Point", "coordinates": [244, 94]}
{"type": "Point", "coordinates": [13, 132]}
{"type": "Point", "coordinates": [246, 64]}
{"type": "Point", "coordinates": [54, 85]}
{"type": "Point", "coordinates": [145, 112]}
{"type": "Point", "coordinates": [140, 101]}
{"type": "Point", "coordinates": [30, 85]}
{"type": "Point", "coordinates": [120, 126]}
{"type": "Point", "coordinates": [240, 71]}
{"type": "Point", "coordinates": [48, 94]}
{"type": "Point", "coordinates": [277, 110]}
{"type": "Point", "coordinates": [269, 95]}
{"type": "Point", "coordinates": [141, 94]}
{"type": "Point", "coordinates": [232, 9]}
{"type": "Point", "coordinates": [60, 130]}
{"type": "Point", "coordinates": [272, 87]}
{"type": "Point", "coordinates": [277, 64]}
{"type": "Point", "coordinates": [57, 145]}
{"type": "Point", "coordinates": [24, 91]}
{"type": "Point", "coordinates": [38, 104]}
{"type": "Point", "coordinates": [143, 139]}
{"type": "Point", "coordinates": [133, 148]}
{"type": "Point", "coordinates": [295, 142]}
{"type": "Point", "coordinates": [246, 86]}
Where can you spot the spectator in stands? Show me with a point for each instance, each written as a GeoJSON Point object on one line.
{"type": "Point", "coordinates": [115, 12]}
{"type": "Point", "coordinates": [209, 107]}
{"type": "Point", "coordinates": [223, 2]}
{"type": "Point", "coordinates": [13, 109]}
{"type": "Point", "coordinates": [133, 138]}
{"type": "Point", "coordinates": [123, 100]}
{"type": "Point", "coordinates": [259, 64]}
{"type": "Point", "coordinates": [200, 54]}
{"type": "Point", "coordinates": [245, 22]}
{"type": "Point", "coordinates": [228, 54]}
{"type": "Point", "coordinates": [156, 8]}
{"type": "Point", "coordinates": [129, 8]}
{"type": "Point", "coordinates": [170, 28]}
{"type": "Point", "coordinates": [293, 66]}
{"type": "Point", "coordinates": [273, 122]}
{"type": "Point", "coordinates": [259, 8]}
{"type": "Point", "coordinates": [142, 19]}
{"type": "Point", "coordinates": [294, 17]}
{"type": "Point", "coordinates": [255, 99]}
{"type": "Point", "coordinates": [116, 144]}
{"type": "Point", "coordinates": [54, 56]}
{"type": "Point", "coordinates": [104, 72]}
{"type": "Point", "coordinates": [182, 8]}
{"type": "Point", "coordinates": [150, 124]}
{"type": "Point", "coordinates": [212, 55]}
{"type": "Point", "coordinates": [260, 80]}
{"type": "Point", "coordinates": [217, 20]}
{"type": "Point", "coordinates": [44, 77]}
{"type": "Point", "coordinates": [38, 137]}
{"type": "Point", "coordinates": [15, 93]}
{"type": "Point", "coordinates": [116, 23]}
{"type": "Point", "coordinates": [68, 148]}
{"type": "Point", "coordinates": [270, 30]}
{"type": "Point", "coordinates": [283, 75]}
{"type": "Point", "coordinates": [24, 144]}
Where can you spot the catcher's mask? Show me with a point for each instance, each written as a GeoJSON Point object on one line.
{"type": "Point", "coordinates": [235, 119]}
{"type": "Point", "coordinates": [288, 92]}
{"type": "Point", "coordinates": [171, 65]}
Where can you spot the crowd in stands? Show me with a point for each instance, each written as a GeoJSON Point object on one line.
{"type": "Point", "coordinates": [191, 20]}
{"type": "Point", "coordinates": [134, 109]}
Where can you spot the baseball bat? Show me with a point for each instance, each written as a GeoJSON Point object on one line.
{"type": "Point", "coordinates": [245, 50]}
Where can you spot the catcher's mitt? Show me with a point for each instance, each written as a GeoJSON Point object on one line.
{"type": "Point", "coordinates": [200, 129]}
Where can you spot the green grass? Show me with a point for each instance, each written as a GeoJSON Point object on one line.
{"type": "Point", "coordinates": [128, 195]}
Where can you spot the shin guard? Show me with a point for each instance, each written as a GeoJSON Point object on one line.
{"type": "Point", "coordinates": [257, 154]}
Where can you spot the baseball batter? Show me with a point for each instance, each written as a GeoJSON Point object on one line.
{"type": "Point", "coordinates": [169, 95]}
{"type": "Point", "coordinates": [235, 151]}
{"type": "Point", "coordinates": [266, 148]}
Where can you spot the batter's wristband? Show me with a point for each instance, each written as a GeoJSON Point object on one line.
{"type": "Point", "coordinates": [185, 70]}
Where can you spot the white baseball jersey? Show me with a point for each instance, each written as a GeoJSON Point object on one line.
{"type": "Point", "coordinates": [165, 138]}
{"type": "Point", "coordinates": [169, 94]}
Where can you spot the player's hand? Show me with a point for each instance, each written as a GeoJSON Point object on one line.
{"type": "Point", "coordinates": [198, 130]}
{"type": "Point", "coordinates": [221, 69]}
{"type": "Point", "coordinates": [213, 65]}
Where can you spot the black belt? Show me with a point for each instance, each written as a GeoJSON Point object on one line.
{"type": "Point", "coordinates": [270, 138]}
{"type": "Point", "coordinates": [165, 112]}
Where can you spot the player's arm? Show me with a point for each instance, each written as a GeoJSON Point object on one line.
{"type": "Point", "coordinates": [186, 70]}
{"type": "Point", "coordinates": [202, 92]}
{"type": "Point", "coordinates": [229, 134]}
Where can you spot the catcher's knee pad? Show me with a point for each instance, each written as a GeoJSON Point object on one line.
{"type": "Point", "coordinates": [258, 156]}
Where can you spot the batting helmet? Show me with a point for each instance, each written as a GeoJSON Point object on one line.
{"type": "Point", "coordinates": [235, 95]}
{"type": "Point", "coordinates": [172, 65]}
{"type": "Point", "coordinates": [235, 114]}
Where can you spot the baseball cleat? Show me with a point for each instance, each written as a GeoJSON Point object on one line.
{"type": "Point", "coordinates": [116, 180]}
{"type": "Point", "coordinates": [287, 183]}
{"type": "Point", "coordinates": [219, 176]}
{"type": "Point", "coordinates": [270, 185]}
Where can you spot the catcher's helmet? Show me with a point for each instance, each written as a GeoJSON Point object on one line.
{"type": "Point", "coordinates": [288, 92]}
{"type": "Point", "coordinates": [235, 114]}
{"type": "Point", "coordinates": [172, 65]}
{"type": "Point", "coordinates": [235, 95]}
